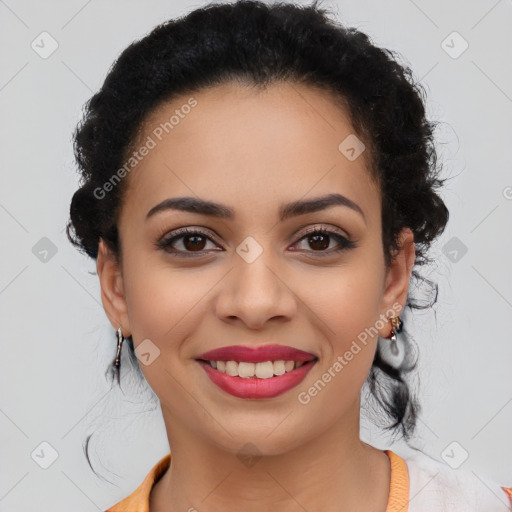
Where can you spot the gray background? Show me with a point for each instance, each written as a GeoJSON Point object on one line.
{"type": "Point", "coordinates": [56, 339]}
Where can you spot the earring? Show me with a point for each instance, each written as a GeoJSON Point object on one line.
{"type": "Point", "coordinates": [396, 327]}
{"type": "Point", "coordinates": [117, 362]}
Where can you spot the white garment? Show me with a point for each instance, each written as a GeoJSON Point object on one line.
{"type": "Point", "coordinates": [436, 487]}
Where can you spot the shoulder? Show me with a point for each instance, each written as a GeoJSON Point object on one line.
{"type": "Point", "coordinates": [434, 485]}
{"type": "Point", "coordinates": [139, 499]}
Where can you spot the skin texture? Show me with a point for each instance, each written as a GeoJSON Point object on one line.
{"type": "Point", "coordinates": [253, 151]}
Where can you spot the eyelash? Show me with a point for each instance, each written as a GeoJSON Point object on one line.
{"type": "Point", "coordinates": [166, 242]}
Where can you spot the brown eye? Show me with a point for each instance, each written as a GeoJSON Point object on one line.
{"type": "Point", "coordinates": [192, 241]}
{"type": "Point", "coordinates": [319, 242]}
{"type": "Point", "coordinates": [319, 239]}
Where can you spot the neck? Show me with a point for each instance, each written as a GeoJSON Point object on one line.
{"type": "Point", "coordinates": [335, 471]}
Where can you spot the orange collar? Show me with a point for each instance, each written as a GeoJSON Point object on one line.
{"type": "Point", "coordinates": [397, 502]}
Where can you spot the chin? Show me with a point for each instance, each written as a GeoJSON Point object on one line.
{"type": "Point", "coordinates": [258, 442]}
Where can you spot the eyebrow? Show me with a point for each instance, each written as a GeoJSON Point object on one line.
{"type": "Point", "coordinates": [286, 211]}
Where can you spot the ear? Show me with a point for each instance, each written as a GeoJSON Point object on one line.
{"type": "Point", "coordinates": [397, 278]}
{"type": "Point", "coordinates": [112, 288]}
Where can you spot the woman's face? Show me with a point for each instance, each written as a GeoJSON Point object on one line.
{"type": "Point", "coordinates": [255, 277]}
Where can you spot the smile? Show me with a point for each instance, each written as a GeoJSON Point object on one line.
{"type": "Point", "coordinates": [256, 380]}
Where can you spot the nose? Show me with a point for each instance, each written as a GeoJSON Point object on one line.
{"type": "Point", "coordinates": [254, 293]}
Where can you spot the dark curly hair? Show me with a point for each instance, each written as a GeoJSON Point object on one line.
{"type": "Point", "coordinates": [258, 44]}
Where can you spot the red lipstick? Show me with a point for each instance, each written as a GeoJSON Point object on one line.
{"type": "Point", "coordinates": [257, 354]}
{"type": "Point", "coordinates": [255, 387]}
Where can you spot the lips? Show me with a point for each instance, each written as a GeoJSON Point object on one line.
{"type": "Point", "coordinates": [259, 354]}
{"type": "Point", "coordinates": [256, 388]}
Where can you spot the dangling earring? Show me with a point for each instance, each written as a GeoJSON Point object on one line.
{"type": "Point", "coordinates": [396, 327]}
{"type": "Point", "coordinates": [117, 362]}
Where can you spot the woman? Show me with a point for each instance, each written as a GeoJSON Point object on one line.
{"type": "Point", "coordinates": [259, 183]}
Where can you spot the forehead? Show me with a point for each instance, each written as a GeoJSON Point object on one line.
{"type": "Point", "coordinates": [239, 145]}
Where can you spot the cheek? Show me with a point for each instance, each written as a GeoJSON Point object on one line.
{"type": "Point", "coordinates": [347, 299]}
{"type": "Point", "coordinates": [345, 305]}
{"type": "Point", "coordinates": [165, 303]}
{"type": "Point", "coordinates": [346, 315]}
{"type": "Point", "coordinates": [165, 306]}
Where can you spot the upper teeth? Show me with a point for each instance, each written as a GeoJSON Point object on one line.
{"type": "Point", "coordinates": [264, 370]}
